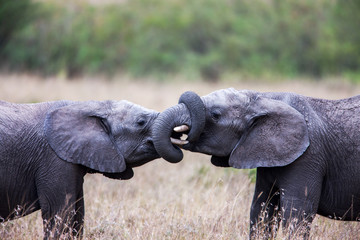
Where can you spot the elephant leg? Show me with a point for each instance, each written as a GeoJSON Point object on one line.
{"type": "Point", "coordinates": [297, 216]}
{"type": "Point", "coordinates": [264, 217]}
{"type": "Point", "coordinates": [78, 226]}
{"type": "Point", "coordinates": [67, 222]}
{"type": "Point", "coordinates": [299, 201]}
{"type": "Point", "coordinates": [62, 206]}
{"type": "Point", "coordinates": [59, 217]}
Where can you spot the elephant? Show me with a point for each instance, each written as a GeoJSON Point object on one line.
{"type": "Point", "coordinates": [306, 151]}
{"type": "Point", "coordinates": [47, 148]}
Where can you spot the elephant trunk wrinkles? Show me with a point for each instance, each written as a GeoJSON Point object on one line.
{"type": "Point", "coordinates": [196, 109]}
{"type": "Point", "coordinates": [163, 129]}
{"type": "Point", "coordinates": [190, 111]}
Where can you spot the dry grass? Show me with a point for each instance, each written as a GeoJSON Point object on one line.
{"type": "Point", "coordinates": [189, 200]}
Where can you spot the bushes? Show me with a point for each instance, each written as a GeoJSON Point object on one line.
{"type": "Point", "coordinates": [204, 37]}
{"type": "Point", "coordinates": [13, 16]}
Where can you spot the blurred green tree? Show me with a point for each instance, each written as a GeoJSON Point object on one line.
{"type": "Point", "coordinates": [203, 38]}
{"type": "Point", "coordinates": [14, 14]}
{"type": "Point", "coordinates": [347, 27]}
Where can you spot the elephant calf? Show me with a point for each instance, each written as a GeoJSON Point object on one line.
{"type": "Point", "coordinates": [47, 148]}
{"type": "Point", "coordinates": [306, 150]}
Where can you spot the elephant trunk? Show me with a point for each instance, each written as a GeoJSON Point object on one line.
{"type": "Point", "coordinates": [163, 130]}
{"type": "Point", "coordinates": [191, 112]}
{"type": "Point", "coordinates": [196, 109]}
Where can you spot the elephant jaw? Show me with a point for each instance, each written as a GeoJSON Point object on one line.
{"type": "Point", "coordinates": [143, 153]}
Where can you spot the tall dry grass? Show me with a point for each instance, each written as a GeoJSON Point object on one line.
{"type": "Point", "coordinates": [188, 200]}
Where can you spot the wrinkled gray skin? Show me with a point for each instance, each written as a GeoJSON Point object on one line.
{"type": "Point", "coordinates": [47, 148]}
{"type": "Point", "coordinates": [306, 151]}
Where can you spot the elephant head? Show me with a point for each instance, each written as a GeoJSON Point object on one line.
{"type": "Point", "coordinates": [242, 129]}
{"type": "Point", "coordinates": [109, 137]}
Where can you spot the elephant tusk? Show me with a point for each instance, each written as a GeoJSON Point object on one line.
{"type": "Point", "coordinates": [178, 141]}
{"type": "Point", "coordinates": [182, 128]}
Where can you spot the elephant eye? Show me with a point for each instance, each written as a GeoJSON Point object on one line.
{"type": "Point", "coordinates": [141, 122]}
{"type": "Point", "coordinates": [215, 114]}
{"type": "Point", "coordinates": [105, 125]}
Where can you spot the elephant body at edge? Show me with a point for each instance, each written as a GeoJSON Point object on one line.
{"type": "Point", "coordinates": [47, 148]}
{"type": "Point", "coordinates": [306, 150]}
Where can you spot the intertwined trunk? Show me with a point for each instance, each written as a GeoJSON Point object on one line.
{"type": "Point", "coordinates": [191, 112]}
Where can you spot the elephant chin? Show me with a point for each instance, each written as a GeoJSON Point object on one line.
{"type": "Point", "coordinates": [125, 175]}
{"type": "Point", "coordinates": [141, 162]}
{"type": "Point", "coordinates": [220, 161]}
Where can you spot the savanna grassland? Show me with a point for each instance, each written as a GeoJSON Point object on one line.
{"type": "Point", "coordinates": [188, 200]}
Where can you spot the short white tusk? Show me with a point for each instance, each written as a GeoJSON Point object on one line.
{"type": "Point", "coordinates": [182, 128]}
{"type": "Point", "coordinates": [178, 141]}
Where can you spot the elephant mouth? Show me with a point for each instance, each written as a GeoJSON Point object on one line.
{"type": "Point", "coordinates": [142, 154]}
{"type": "Point", "coordinates": [179, 136]}
{"type": "Point", "coordinates": [180, 139]}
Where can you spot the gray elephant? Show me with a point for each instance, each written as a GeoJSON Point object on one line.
{"type": "Point", "coordinates": [306, 150]}
{"type": "Point", "coordinates": [47, 148]}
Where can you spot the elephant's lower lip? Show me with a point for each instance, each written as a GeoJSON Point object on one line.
{"type": "Point", "coordinates": [138, 162]}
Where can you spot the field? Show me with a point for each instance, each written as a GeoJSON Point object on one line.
{"type": "Point", "coordinates": [188, 200]}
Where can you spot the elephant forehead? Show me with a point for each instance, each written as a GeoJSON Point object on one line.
{"type": "Point", "coordinates": [128, 112]}
{"type": "Point", "coordinates": [127, 107]}
{"type": "Point", "coordinates": [226, 98]}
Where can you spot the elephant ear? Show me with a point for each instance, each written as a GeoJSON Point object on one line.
{"type": "Point", "coordinates": [277, 136]}
{"type": "Point", "coordinates": [76, 133]}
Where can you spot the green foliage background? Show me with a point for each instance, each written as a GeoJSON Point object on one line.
{"type": "Point", "coordinates": [204, 38]}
